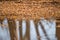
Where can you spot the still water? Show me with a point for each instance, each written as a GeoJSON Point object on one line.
{"type": "Point", "coordinates": [49, 26]}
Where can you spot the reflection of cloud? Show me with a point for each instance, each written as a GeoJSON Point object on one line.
{"type": "Point", "coordinates": [4, 32]}
{"type": "Point", "coordinates": [33, 34]}
{"type": "Point", "coordinates": [24, 27]}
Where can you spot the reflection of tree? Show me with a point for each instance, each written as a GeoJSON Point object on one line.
{"type": "Point", "coordinates": [32, 30]}
{"type": "Point", "coordinates": [46, 26]}
{"type": "Point", "coordinates": [36, 27]}
{"type": "Point", "coordinates": [44, 30]}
